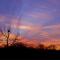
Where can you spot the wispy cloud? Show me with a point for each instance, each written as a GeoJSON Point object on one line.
{"type": "Point", "coordinates": [40, 15]}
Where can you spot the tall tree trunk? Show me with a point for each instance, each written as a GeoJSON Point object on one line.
{"type": "Point", "coordinates": [8, 38]}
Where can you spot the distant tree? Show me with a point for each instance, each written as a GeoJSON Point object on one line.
{"type": "Point", "coordinates": [51, 47]}
{"type": "Point", "coordinates": [41, 46]}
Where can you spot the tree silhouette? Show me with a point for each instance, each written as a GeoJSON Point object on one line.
{"type": "Point", "coordinates": [16, 38]}
{"type": "Point", "coordinates": [51, 47]}
{"type": "Point", "coordinates": [8, 32]}
{"type": "Point", "coordinates": [41, 46]}
{"type": "Point", "coordinates": [5, 31]}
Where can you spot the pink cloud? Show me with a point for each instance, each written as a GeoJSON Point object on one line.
{"type": "Point", "coordinates": [48, 38]}
{"type": "Point", "coordinates": [53, 27]}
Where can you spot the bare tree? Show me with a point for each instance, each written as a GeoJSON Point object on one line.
{"type": "Point", "coordinates": [16, 38]}
{"type": "Point", "coordinates": [5, 31]}
{"type": "Point", "coordinates": [8, 33]}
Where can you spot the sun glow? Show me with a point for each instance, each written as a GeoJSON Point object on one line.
{"type": "Point", "coordinates": [25, 27]}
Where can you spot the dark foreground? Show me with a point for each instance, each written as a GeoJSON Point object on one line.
{"type": "Point", "coordinates": [17, 53]}
{"type": "Point", "coordinates": [28, 53]}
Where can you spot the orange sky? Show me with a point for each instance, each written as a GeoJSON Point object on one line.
{"type": "Point", "coordinates": [30, 43]}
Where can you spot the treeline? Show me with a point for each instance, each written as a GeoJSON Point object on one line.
{"type": "Point", "coordinates": [40, 47]}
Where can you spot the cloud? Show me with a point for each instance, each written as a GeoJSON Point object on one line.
{"type": "Point", "coordinates": [57, 26]}
{"type": "Point", "coordinates": [53, 29]}
{"type": "Point", "coordinates": [36, 43]}
{"type": "Point", "coordinates": [46, 35]}
{"type": "Point", "coordinates": [40, 15]}
{"type": "Point", "coordinates": [34, 30]}
{"type": "Point", "coordinates": [29, 43]}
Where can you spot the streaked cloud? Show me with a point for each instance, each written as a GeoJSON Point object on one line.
{"type": "Point", "coordinates": [40, 15]}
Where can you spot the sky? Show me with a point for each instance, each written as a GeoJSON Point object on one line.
{"type": "Point", "coordinates": [33, 19]}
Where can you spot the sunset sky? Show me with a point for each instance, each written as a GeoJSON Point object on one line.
{"type": "Point", "coordinates": [33, 19]}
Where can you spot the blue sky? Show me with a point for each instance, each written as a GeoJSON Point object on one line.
{"type": "Point", "coordinates": [42, 16]}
